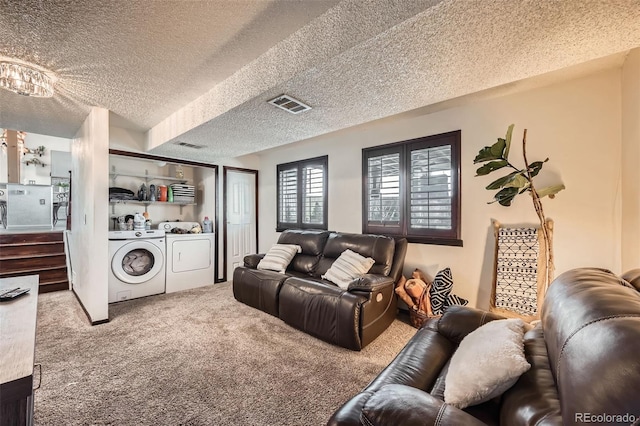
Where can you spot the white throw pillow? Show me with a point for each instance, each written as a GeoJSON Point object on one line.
{"type": "Point", "coordinates": [488, 361]}
{"type": "Point", "coordinates": [349, 266]}
{"type": "Point", "coordinates": [278, 257]}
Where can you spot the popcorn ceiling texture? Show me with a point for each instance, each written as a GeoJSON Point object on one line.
{"type": "Point", "coordinates": [213, 65]}
{"type": "Point", "coordinates": [140, 59]}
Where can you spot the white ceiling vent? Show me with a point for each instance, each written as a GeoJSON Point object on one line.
{"type": "Point", "coordinates": [289, 104]}
{"type": "Point", "coordinates": [188, 145]}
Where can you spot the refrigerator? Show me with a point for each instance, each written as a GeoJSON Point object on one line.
{"type": "Point", "coordinates": [27, 206]}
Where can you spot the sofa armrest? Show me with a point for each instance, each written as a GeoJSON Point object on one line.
{"type": "Point", "coordinates": [252, 260]}
{"type": "Point", "coordinates": [407, 406]}
{"type": "Point", "coordinates": [370, 283]}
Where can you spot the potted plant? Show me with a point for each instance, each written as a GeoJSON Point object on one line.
{"type": "Point", "coordinates": [518, 181]}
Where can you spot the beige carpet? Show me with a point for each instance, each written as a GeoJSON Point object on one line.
{"type": "Point", "coordinates": [196, 357]}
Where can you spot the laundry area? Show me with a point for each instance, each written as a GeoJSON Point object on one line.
{"type": "Point", "coordinates": [161, 237]}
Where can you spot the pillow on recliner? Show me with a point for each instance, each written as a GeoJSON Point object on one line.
{"type": "Point", "coordinates": [349, 266]}
{"type": "Point", "coordinates": [488, 361]}
{"type": "Point", "coordinates": [278, 257]}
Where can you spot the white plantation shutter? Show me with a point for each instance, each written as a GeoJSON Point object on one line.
{"type": "Point", "coordinates": [431, 188]}
{"type": "Point", "coordinates": [288, 202]}
{"type": "Point", "coordinates": [313, 194]}
{"type": "Point", "coordinates": [384, 189]}
{"type": "Point", "coordinates": [412, 189]}
{"type": "Point", "coordinates": [302, 194]}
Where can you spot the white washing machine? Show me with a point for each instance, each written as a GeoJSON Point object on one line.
{"type": "Point", "coordinates": [190, 257]}
{"type": "Point", "coordinates": [137, 264]}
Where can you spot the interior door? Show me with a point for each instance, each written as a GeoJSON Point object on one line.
{"type": "Point", "coordinates": [241, 216]}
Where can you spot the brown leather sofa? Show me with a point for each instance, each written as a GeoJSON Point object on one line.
{"type": "Point", "coordinates": [584, 356]}
{"type": "Point", "coordinates": [350, 318]}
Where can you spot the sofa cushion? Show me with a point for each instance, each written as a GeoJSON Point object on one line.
{"type": "Point", "coordinates": [413, 406]}
{"type": "Point", "coordinates": [378, 247]}
{"type": "Point", "coordinates": [258, 288]}
{"type": "Point", "coordinates": [633, 278]}
{"type": "Point", "coordinates": [312, 243]}
{"type": "Point", "coordinates": [347, 267]}
{"type": "Point", "coordinates": [458, 321]}
{"type": "Point", "coordinates": [278, 257]}
{"type": "Point", "coordinates": [533, 400]}
{"type": "Point", "coordinates": [323, 310]}
{"type": "Point", "coordinates": [488, 362]}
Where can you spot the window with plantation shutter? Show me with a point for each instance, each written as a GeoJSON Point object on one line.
{"type": "Point", "coordinates": [313, 195]}
{"type": "Point", "coordinates": [302, 194]}
{"type": "Point", "coordinates": [288, 200]}
{"type": "Point", "coordinates": [412, 189]}
{"type": "Point", "coordinates": [383, 191]}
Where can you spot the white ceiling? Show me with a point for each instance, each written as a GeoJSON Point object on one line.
{"type": "Point", "coordinates": [201, 71]}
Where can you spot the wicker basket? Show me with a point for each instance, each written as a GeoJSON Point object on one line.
{"type": "Point", "coordinates": [418, 317]}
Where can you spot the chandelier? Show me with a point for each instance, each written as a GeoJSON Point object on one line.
{"type": "Point", "coordinates": [25, 79]}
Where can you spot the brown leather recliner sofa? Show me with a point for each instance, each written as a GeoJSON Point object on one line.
{"type": "Point", "coordinates": [584, 356]}
{"type": "Point", "coordinates": [350, 318]}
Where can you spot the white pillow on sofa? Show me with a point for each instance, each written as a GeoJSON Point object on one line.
{"type": "Point", "coordinates": [349, 266]}
{"type": "Point", "coordinates": [488, 361]}
{"type": "Point", "coordinates": [278, 257]}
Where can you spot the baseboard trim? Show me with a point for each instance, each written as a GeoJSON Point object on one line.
{"type": "Point", "coordinates": [104, 321]}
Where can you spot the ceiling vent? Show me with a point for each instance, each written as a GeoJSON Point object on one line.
{"type": "Point", "coordinates": [289, 104]}
{"type": "Point", "coordinates": [188, 145]}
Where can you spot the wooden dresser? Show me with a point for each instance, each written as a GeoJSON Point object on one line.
{"type": "Point", "coordinates": [17, 352]}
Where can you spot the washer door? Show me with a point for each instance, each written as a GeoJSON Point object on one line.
{"type": "Point", "coordinates": [137, 262]}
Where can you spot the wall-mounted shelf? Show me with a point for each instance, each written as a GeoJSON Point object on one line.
{"type": "Point", "coordinates": [148, 203]}
{"type": "Point", "coordinates": [147, 177]}
{"type": "Point", "coordinates": [35, 161]}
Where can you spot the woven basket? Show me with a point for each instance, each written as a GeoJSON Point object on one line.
{"type": "Point", "coordinates": [418, 316]}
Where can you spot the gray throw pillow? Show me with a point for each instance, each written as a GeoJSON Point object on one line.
{"type": "Point", "coordinates": [488, 361]}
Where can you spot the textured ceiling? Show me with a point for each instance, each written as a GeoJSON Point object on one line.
{"type": "Point", "coordinates": [210, 67]}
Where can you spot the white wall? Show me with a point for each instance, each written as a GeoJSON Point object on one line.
{"type": "Point", "coordinates": [89, 214]}
{"type": "Point", "coordinates": [41, 175]}
{"type": "Point", "coordinates": [126, 139]}
{"type": "Point", "coordinates": [631, 161]}
{"type": "Point", "coordinates": [576, 124]}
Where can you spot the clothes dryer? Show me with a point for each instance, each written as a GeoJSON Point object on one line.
{"type": "Point", "coordinates": [190, 257]}
{"type": "Point", "coordinates": [137, 266]}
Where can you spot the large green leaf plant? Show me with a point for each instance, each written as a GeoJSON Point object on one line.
{"type": "Point", "coordinates": [518, 181]}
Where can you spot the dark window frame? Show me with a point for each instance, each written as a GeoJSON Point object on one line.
{"type": "Point", "coordinates": [299, 166]}
{"type": "Point", "coordinates": [451, 237]}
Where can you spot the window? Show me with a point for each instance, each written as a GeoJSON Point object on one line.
{"type": "Point", "coordinates": [302, 194]}
{"type": "Point", "coordinates": [412, 189]}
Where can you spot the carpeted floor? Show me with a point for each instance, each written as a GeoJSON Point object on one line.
{"type": "Point", "coordinates": [196, 357]}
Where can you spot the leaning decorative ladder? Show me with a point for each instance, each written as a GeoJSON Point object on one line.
{"type": "Point", "coordinates": [520, 272]}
